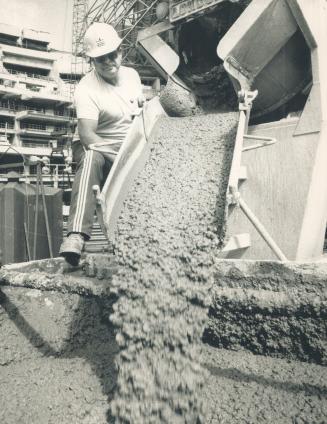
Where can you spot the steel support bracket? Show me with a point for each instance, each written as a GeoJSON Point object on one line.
{"type": "Point", "coordinates": [245, 98]}
{"type": "Point", "coordinates": [266, 141]}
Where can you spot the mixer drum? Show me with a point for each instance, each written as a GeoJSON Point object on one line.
{"type": "Point", "coordinates": [287, 75]}
{"type": "Point", "coordinates": [265, 50]}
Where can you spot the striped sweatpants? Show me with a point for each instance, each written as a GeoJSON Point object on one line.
{"type": "Point", "coordinates": [92, 169]}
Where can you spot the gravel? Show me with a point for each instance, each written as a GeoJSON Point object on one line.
{"type": "Point", "coordinates": [170, 228]}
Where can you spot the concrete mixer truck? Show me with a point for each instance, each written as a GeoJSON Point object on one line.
{"type": "Point", "coordinates": [271, 62]}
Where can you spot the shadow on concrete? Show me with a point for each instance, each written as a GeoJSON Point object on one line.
{"type": "Point", "coordinates": [25, 328]}
{"type": "Point", "coordinates": [237, 375]}
{"type": "Point", "coordinates": [91, 337]}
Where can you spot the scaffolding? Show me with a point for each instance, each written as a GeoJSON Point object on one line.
{"type": "Point", "coordinates": [127, 16]}
{"type": "Point", "coordinates": [80, 8]}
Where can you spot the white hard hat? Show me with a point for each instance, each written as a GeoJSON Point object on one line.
{"type": "Point", "coordinates": [100, 38]}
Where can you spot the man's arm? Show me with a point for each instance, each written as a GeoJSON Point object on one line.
{"type": "Point", "coordinates": [87, 131]}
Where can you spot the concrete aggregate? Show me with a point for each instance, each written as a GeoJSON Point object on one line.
{"type": "Point", "coordinates": [56, 357]}
{"type": "Point", "coordinates": [305, 277]}
{"type": "Point", "coordinates": [170, 228]}
{"type": "Point", "coordinates": [270, 308]}
{"type": "Point", "coordinates": [57, 365]}
{"type": "Point", "coordinates": [177, 100]}
{"type": "Point", "coordinates": [246, 388]}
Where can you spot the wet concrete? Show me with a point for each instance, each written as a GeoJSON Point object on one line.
{"type": "Point", "coordinates": [178, 101]}
{"type": "Point", "coordinates": [56, 357]}
{"type": "Point", "coordinates": [271, 308]}
{"type": "Point", "coordinates": [91, 278]}
{"type": "Point", "coordinates": [58, 351]}
{"type": "Point", "coordinates": [167, 235]}
{"type": "Point", "coordinates": [247, 388]}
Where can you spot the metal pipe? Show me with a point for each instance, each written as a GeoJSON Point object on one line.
{"type": "Point", "coordinates": [261, 230]}
{"type": "Point", "coordinates": [237, 156]}
{"type": "Point", "coordinates": [260, 137]}
{"type": "Point", "coordinates": [267, 141]}
{"type": "Point", "coordinates": [27, 242]}
{"type": "Point", "coordinates": [36, 216]}
{"type": "Point", "coordinates": [258, 146]}
{"type": "Point", "coordinates": [46, 218]}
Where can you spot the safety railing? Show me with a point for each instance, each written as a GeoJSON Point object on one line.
{"type": "Point", "coordinates": [36, 128]}
{"type": "Point", "coordinates": [36, 145]}
{"type": "Point", "coordinates": [7, 125]}
{"type": "Point", "coordinates": [27, 74]}
{"type": "Point", "coordinates": [33, 109]}
{"type": "Point", "coordinates": [65, 114]}
{"type": "Point", "coordinates": [8, 109]}
{"type": "Point", "coordinates": [7, 104]}
{"type": "Point", "coordinates": [55, 113]}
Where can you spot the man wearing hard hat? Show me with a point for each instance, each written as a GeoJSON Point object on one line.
{"type": "Point", "coordinates": [106, 100]}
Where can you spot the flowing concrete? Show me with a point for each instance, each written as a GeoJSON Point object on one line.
{"type": "Point", "coordinates": [177, 101]}
{"type": "Point", "coordinates": [169, 230]}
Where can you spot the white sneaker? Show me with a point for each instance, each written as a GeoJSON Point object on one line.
{"type": "Point", "coordinates": [71, 248]}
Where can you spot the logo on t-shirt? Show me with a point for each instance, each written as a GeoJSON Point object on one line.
{"type": "Point", "coordinates": [100, 42]}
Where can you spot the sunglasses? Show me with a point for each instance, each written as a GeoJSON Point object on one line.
{"type": "Point", "coordinates": [109, 56]}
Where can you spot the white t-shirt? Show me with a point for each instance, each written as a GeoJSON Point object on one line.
{"type": "Point", "coordinates": [112, 106]}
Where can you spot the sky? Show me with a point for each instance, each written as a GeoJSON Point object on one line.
{"type": "Point", "coordinates": [53, 16]}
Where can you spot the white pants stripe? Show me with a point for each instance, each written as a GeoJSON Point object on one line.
{"type": "Point", "coordinates": [82, 195]}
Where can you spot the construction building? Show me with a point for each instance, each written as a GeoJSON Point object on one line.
{"type": "Point", "coordinates": [36, 114]}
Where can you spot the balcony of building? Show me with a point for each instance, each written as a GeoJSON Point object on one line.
{"type": "Point", "coordinates": [8, 149]}
{"type": "Point", "coordinates": [42, 116]}
{"type": "Point", "coordinates": [34, 39]}
{"type": "Point", "coordinates": [33, 92]}
{"type": "Point", "coordinates": [45, 95]}
{"type": "Point", "coordinates": [56, 147]}
{"type": "Point", "coordinates": [14, 55]}
{"type": "Point", "coordinates": [7, 109]}
{"type": "Point", "coordinates": [36, 130]}
{"type": "Point", "coordinates": [29, 76]}
{"type": "Point", "coordinates": [50, 148]}
{"type": "Point", "coordinates": [25, 37]}
{"type": "Point", "coordinates": [9, 34]}
{"type": "Point", "coordinates": [6, 75]}
{"type": "Point", "coordinates": [6, 139]}
{"type": "Point", "coordinates": [36, 143]}
{"type": "Point", "coordinates": [29, 83]}
{"type": "Point", "coordinates": [9, 88]}
{"type": "Point", "coordinates": [6, 127]}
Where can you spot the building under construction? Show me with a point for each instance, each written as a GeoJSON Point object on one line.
{"type": "Point", "coordinates": [36, 106]}
{"type": "Point", "coordinates": [210, 304]}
